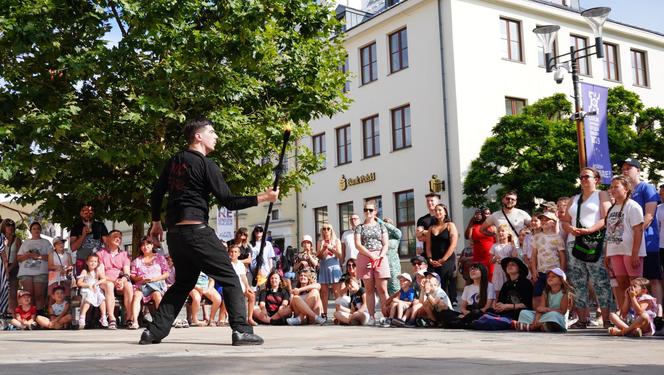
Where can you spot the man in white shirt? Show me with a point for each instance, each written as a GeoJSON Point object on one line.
{"type": "Point", "coordinates": [348, 249]}
{"type": "Point", "coordinates": [515, 218]}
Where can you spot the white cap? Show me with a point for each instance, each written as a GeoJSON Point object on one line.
{"type": "Point", "coordinates": [406, 276]}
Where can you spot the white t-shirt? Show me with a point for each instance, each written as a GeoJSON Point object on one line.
{"type": "Point", "coordinates": [240, 270]}
{"type": "Point", "coordinates": [519, 218]}
{"type": "Point", "coordinates": [619, 234]}
{"type": "Point", "coordinates": [33, 267]}
{"type": "Point", "coordinates": [348, 239]}
{"type": "Point", "coordinates": [268, 254]}
{"type": "Point", "coordinates": [660, 220]}
{"type": "Point", "coordinates": [590, 211]}
{"type": "Point", "coordinates": [440, 294]}
{"type": "Point", "coordinates": [471, 294]}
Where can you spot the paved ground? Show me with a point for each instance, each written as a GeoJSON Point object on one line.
{"type": "Point", "coordinates": [328, 350]}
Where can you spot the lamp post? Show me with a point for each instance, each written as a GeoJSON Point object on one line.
{"type": "Point", "coordinates": [547, 35]}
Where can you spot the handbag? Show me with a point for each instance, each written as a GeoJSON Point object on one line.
{"type": "Point", "coordinates": [588, 247]}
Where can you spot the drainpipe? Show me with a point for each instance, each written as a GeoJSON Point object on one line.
{"type": "Point", "coordinates": [297, 203]}
{"type": "Point", "coordinates": [445, 119]}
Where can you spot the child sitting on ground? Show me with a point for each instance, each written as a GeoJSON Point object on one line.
{"type": "Point", "coordinates": [436, 305]}
{"type": "Point", "coordinates": [204, 288]}
{"type": "Point", "coordinates": [357, 314]}
{"type": "Point", "coordinates": [89, 281]}
{"type": "Point", "coordinates": [58, 312]}
{"type": "Point", "coordinates": [637, 314]}
{"type": "Point", "coordinates": [551, 314]}
{"type": "Point", "coordinates": [25, 313]}
{"type": "Point", "coordinates": [401, 300]}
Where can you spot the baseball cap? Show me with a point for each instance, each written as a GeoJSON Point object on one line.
{"type": "Point", "coordinates": [420, 272]}
{"type": "Point", "coordinates": [418, 258]}
{"type": "Point", "coordinates": [548, 215]}
{"type": "Point", "coordinates": [559, 272]}
{"type": "Point", "coordinates": [23, 292]}
{"type": "Point", "coordinates": [632, 162]}
{"type": "Point", "coordinates": [434, 274]}
{"type": "Point", "coordinates": [58, 239]}
{"type": "Point", "coordinates": [405, 276]}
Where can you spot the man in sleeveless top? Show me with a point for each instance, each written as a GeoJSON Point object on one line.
{"type": "Point", "coordinates": [189, 177]}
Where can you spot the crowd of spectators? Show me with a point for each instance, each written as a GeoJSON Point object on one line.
{"type": "Point", "coordinates": [591, 260]}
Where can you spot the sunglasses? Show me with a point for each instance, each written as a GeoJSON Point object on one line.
{"type": "Point", "coordinates": [368, 210]}
{"type": "Point", "coordinates": [326, 228]}
{"type": "Point", "coordinates": [585, 177]}
{"type": "Point", "coordinates": [351, 265]}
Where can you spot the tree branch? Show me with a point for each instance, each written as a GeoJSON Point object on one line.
{"type": "Point", "coordinates": [117, 18]}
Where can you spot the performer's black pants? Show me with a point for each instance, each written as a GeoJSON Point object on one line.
{"type": "Point", "coordinates": [196, 248]}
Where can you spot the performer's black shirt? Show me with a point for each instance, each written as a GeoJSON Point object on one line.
{"type": "Point", "coordinates": [189, 178]}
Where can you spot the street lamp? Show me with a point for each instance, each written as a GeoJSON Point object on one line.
{"type": "Point", "coordinates": [595, 17]}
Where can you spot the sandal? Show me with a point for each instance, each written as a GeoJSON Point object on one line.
{"type": "Point", "coordinates": [112, 325]}
{"type": "Point", "coordinates": [212, 323]}
{"type": "Point", "coordinates": [133, 325]}
{"type": "Point", "coordinates": [615, 331]}
{"type": "Point", "coordinates": [197, 324]}
{"type": "Point", "coordinates": [185, 323]}
{"type": "Point", "coordinates": [177, 323]}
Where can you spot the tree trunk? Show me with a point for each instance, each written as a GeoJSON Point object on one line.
{"type": "Point", "coordinates": [137, 232]}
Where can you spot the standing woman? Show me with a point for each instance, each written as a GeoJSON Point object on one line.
{"type": "Point", "coordinates": [441, 242]}
{"type": "Point", "coordinates": [594, 204]}
{"type": "Point", "coordinates": [32, 259]}
{"type": "Point", "coordinates": [268, 256]}
{"type": "Point", "coordinates": [329, 253]}
{"type": "Point", "coordinates": [371, 240]}
{"type": "Point", "coordinates": [482, 243]}
{"type": "Point", "coordinates": [12, 244]}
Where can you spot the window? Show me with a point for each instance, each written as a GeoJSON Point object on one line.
{"type": "Point", "coordinates": [580, 42]}
{"type": "Point", "coordinates": [401, 128]}
{"type": "Point", "coordinates": [405, 203]}
{"type": "Point", "coordinates": [371, 136]}
{"type": "Point", "coordinates": [320, 218]}
{"type": "Point", "coordinates": [514, 106]}
{"type": "Point", "coordinates": [369, 63]}
{"type": "Point", "coordinates": [640, 68]}
{"type": "Point", "coordinates": [510, 33]}
{"type": "Point", "coordinates": [344, 70]}
{"type": "Point", "coordinates": [319, 147]}
{"type": "Point", "coordinates": [389, 3]}
{"type": "Point", "coordinates": [275, 215]}
{"type": "Point", "coordinates": [611, 62]}
{"type": "Point", "coordinates": [379, 204]}
{"type": "Point", "coordinates": [345, 212]}
{"type": "Point", "coordinates": [398, 50]}
{"type": "Point", "coordinates": [343, 145]}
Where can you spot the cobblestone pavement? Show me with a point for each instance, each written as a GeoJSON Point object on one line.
{"type": "Point", "coordinates": [329, 350]}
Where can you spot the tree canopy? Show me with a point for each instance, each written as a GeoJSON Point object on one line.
{"type": "Point", "coordinates": [86, 120]}
{"type": "Point", "coordinates": [535, 152]}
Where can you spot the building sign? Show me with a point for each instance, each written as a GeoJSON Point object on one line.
{"type": "Point", "coordinates": [225, 224]}
{"type": "Point", "coordinates": [344, 182]}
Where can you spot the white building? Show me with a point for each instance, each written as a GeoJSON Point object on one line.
{"type": "Point", "coordinates": [430, 80]}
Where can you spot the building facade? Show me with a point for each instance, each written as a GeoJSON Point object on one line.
{"type": "Point", "coordinates": [430, 78]}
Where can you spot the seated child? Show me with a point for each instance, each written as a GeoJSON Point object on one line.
{"type": "Point", "coordinates": [357, 314]}
{"type": "Point", "coordinates": [25, 313]}
{"type": "Point", "coordinates": [401, 300]}
{"type": "Point", "coordinates": [637, 314]}
{"type": "Point", "coordinates": [204, 288]}
{"type": "Point", "coordinates": [551, 314]}
{"type": "Point", "coordinates": [59, 316]}
{"type": "Point", "coordinates": [436, 305]}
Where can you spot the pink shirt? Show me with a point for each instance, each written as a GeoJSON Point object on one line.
{"type": "Point", "coordinates": [113, 264]}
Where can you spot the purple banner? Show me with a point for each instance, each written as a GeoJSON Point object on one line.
{"type": "Point", "coordinates": [594, 98]}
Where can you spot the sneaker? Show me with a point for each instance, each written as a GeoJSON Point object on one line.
{"type": "Point", "coordinates": [397, 323]}
{"type": "Point", "coordinates": [320, 320]}
{"type": "Point", "coordinates": [385, 322]}
{"type": "Point", "coordinates": [81, 323]}
{"type": "Point", "coordinates": [371, 322]}
{"type": "Point", "coordinates": [103, 321]}
{"type": "Point", "coordinates": [294, 321]}
{"type": "Point", "coordinates": [595, 322]}
{"type": "Point", "coordinates": [410, 324]}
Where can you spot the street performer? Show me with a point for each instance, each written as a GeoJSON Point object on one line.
{"type": "Point", "coordinates": [189, 177]}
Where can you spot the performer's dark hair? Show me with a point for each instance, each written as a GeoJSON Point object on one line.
{"type": "Point", "coordinates": [193, 126]}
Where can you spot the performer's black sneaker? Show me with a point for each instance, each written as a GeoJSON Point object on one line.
{"type": "Point", "coordinates": [240, 338]}
{"type": "Point", "coordinates": [147, 338]}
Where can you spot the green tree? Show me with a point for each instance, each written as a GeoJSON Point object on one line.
{"type": "Point", "coordinates": [83, 119]}
{"type": "Point", "coordinates": [535, 152]}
